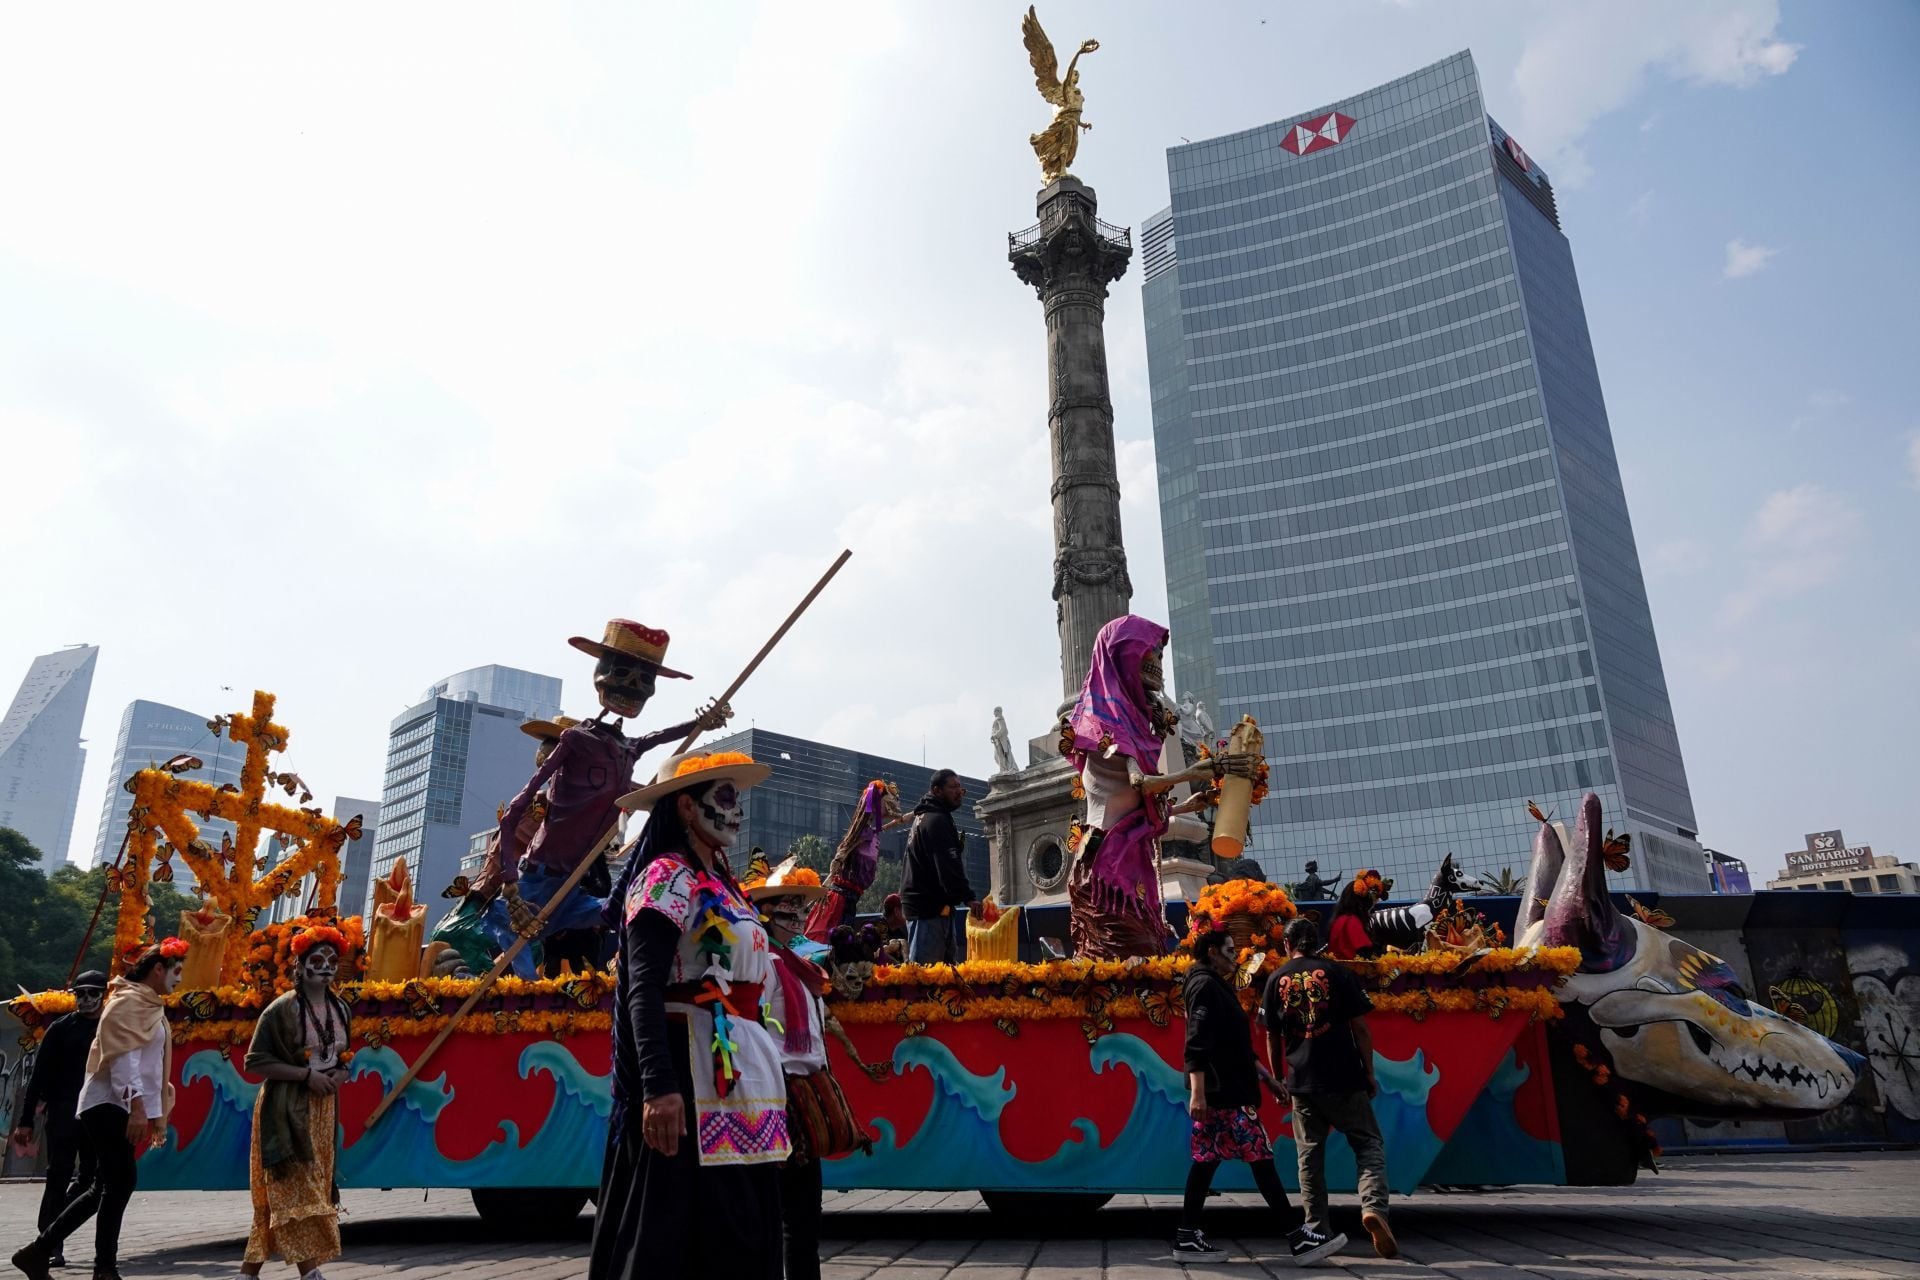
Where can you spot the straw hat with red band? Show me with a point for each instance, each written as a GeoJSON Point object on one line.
{"type": "Point", "coordinates": [788, 880]}
{"type": "Point", "coordinates": [548, 730]}
{"type": "Point", "coordinates": [628, 638]}
{"type": "Point", "coordinates": [697, 769]}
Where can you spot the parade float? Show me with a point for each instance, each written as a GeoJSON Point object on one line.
{"type": "Point", "coordinates": [1056, 1079]}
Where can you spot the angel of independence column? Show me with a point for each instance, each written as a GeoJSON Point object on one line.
{"type": "Point", "coordinates": [1070, 257]}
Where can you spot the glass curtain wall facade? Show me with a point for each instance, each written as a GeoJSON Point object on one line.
{"type": "Point", "coordinates": [815, 787]}
{"type": "Point", "coordinates": [41, 758]}
{"type": "Point", "coordinates": [452, 762]}
{"type": "Point", "coordinates": [1395, 530]}
{"type": "Point", "coordinates": [151, 733]}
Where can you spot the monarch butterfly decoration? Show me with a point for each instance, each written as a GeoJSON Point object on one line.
{"type": "Point", "coordinates": [1158, 1006]}
{"type": "Point", "coordinates": [420, 1005]}
{"type": "Point", "coordinates": [460, 888]}
{"type": "Point", "coordinates": [1249, 970]}
{"type": "Point", "coordinates": [1650, 915]}
{"type": "Point", "coordinates": [914, 1028]}
{"type": "Point", "coordinates": [1007, 1027]}
{"type": "Point", "coordinates": [1616, 850]}
{"type": "Point", "coordinates": [200, 1005]}
{"type": "Point", "coordinates": [1099, 996]}
{"type": "Point", "coordinates": [355, 827]}
{"type": "Point", "coordinates": [581, 992]}
{"type": "Point", "coordinates": [1095, 1027]}
{"type": "Point", "coordinates": [950, 999]}
{"type": "Point", "coordinates": [117, 880]}
{"type": "Point", "coordinates": [1533, 811]}
{"type": "Point", "coordinates": [164, 872]}
{"type": "Point", "coordinates": [381, 1033]}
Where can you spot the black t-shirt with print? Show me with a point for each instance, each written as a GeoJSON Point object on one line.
{"type": "Point", "coordinates": [1311, 1003]}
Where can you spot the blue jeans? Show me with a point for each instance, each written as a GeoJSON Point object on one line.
{"type": "Point", "coordinates": [498, 925]}
{"type": "Point", "coordinates": [579, 911]}
{"type": "Point", "coordinates": [940, 940]}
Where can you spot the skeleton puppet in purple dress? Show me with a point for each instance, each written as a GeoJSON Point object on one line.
{"type": "Point", "coordinates": [583, 778]}
{"type": "Point", "coordinates": [1116, 737]}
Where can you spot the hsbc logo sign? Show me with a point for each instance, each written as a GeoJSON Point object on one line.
{"type": "Point", "coordinates": [1317, 134]}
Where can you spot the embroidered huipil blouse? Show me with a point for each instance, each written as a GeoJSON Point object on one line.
{"type": "Point", "coordinates": [721, 966]}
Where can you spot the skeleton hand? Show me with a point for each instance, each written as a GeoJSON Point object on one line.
{"type": "Point", "coordinates": [1237, 764]}
{"type": "Point", "coordinates": [877, 1071]}
{"type": "Point", "coordinates": [519, 914]}
{"type": "Point", "coordinates": [712, 716]}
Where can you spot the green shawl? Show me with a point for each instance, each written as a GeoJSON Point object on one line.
{"type": "Point", "coordinates": [283, 1115]}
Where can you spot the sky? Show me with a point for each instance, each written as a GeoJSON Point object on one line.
{"type": "Point", "coordinates": [342, 350]}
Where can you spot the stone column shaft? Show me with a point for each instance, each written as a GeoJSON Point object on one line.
{"type": "Point", "coordinates": [1070, 258]}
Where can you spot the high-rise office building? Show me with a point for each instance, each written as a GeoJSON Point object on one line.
{"type": "Point", "coordinates": [1394, 525]}
{"type": "Point", "coordinates": [151, 733]}
{"type": "Point", "coordinates": [356, 860]}
{"type": "Point", "coordinates": [41, 758]}
{"type": "Point", "coordinates": [452, 761]}
{"type": "Point", "coordinates": [814, 788]}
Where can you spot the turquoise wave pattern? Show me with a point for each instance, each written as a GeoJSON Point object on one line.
{"type": "Point", "coordinates": [958, 1147]}
{"type": "Point", "coordinates": [400, 1151]}
{"type": "Point", "coordinates": [1490, 1148]}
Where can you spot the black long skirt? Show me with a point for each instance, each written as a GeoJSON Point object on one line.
{"type": "Point", "coordinates": [668, 1217]}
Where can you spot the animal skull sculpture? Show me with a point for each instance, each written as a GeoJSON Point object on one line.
{"type": "Point", "coordinates": [1680, 1030]}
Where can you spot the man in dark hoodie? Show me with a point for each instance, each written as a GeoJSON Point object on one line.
{"type": "Point", "coordinates": [59, 1068]}
{"type": "Point", "coordinates": [935, 885]}
{"type": "Point", "coordinates": [1224, 1079]}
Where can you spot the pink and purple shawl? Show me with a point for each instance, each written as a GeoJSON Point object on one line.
{"type": "Point", "coordinates": [1113, 705]}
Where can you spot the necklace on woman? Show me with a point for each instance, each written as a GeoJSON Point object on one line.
{"type": "Point", "coordinates": [317, 1034]}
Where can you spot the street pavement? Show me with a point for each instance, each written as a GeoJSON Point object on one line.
{"type": "Point", "coordinates": [1807, 1215]}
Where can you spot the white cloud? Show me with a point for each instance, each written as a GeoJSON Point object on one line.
{"type": "Point", "coordinates": [1745, 259]}
{"type": "Point", "coordinates": [1678, 557]}
{"type": "Point", "coordinates": [1580, 62]}
{"type": "Point", "coordinates": [1913, 459]}
{"type": "Point", "coordinates": [1799, 540]}
{"type": "Point", "coordinates": [1821, 408]}
{"type": "Point", "coordinates": [1640, 212]}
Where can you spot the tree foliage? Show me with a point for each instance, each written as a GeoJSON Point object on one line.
{"type": "Point", "coordinates": [46, 916]}
{"type": "Point", "coordinates": [814, 851]}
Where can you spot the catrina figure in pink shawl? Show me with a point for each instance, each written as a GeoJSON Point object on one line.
{"type": "Point", "coordinates": [1114, 736]}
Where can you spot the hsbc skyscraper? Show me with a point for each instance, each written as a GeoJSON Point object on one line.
{"type": "Point", "coordinates": [1394, 526]}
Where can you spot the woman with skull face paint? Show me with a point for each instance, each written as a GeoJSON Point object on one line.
{"type": "Point", "coordinates": [299, 1047]}
{"type": "Point", "coordinates": [123, 1106]}
{"type": "Point", "coordinates": [691, 1183]}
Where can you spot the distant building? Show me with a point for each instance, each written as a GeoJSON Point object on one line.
{"type": "Point", "coordinates": [815, 787]}
{"type": "Point", "coordinates": [1829, 862]}
{"type": "Point", "coordinates": [1727, 874]}
{"type": "Point", "coordinates": [41, 758]}
{"type": "Point", "coordinates": [1394, 525]}
{"type": "Point", "coordinates": [452, 761]}
{"type": "Point", "coordinates": [151, 733]}
{"type": "Point", "coordinates": [356, 860]}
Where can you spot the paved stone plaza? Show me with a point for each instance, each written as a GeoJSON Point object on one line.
{"type": "Point", "coordinates": [1810, 1216]}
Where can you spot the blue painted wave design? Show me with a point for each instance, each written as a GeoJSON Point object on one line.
{"type": "Point", "coordinates": [565, 1151]}
{"type": "Point", "coordinates": [400, 1151]}
{"type": "Point", "coordinates": [216, 1159]}
{"type": "Point", "coordinates": [1490, 1148]}
{"type": "Point", "coordinates": [958, 1146]}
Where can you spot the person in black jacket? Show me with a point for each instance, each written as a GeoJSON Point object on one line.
{"type": "Point", "coordinates": [935, 884]}
{"type": "Point", "coordinates": [58, 1070]}
{"type": "Point", "coordinates": [1224, 1077]}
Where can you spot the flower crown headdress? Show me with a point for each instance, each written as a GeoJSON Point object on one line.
{"type": "Point", "coordinates": [319, 935]}
{"type": "Point", "coordinates": [1368, 882]}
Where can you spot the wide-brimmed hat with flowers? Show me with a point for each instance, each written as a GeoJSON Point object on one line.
{"type": "Point", "coordinates": [548, 730]}
{"type": "Point", "coordinates": [697, 769]}
{"type": "Point", "coordinates": [634, 640]}
{"type": "Point", "coordinates": [788, 880]}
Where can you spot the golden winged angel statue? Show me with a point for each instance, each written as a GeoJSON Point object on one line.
{"type": "Point", "coordinates": [1058, 145]}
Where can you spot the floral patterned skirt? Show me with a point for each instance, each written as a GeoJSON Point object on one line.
{"type": "Point", "coordinates": [1230, 1133]}
{"type": "Point", "coordinates": [293, 1210]}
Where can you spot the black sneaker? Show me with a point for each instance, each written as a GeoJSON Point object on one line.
{"type": "Point", "coordinates": [57, 1260]}
{"type": "Point", "coordinates": [1193, 1245]}
{"type": "Point", "coordinates": [32, 1262]}
{"type": "Point", "coordinates": [1310, 1246]}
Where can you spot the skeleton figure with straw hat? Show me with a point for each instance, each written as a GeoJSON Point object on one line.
{"type": "Point", "coordinates": [582, 778]}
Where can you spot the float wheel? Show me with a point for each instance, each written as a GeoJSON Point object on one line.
{"type": "Point", "coordinates": [529, 1211]}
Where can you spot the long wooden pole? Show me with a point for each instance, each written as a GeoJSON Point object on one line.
{"type": "Point", "coordinates": [520, 943]}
